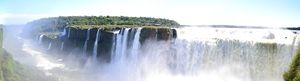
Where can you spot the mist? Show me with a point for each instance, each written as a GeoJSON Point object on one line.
{"type": "Point", "coordinates": [184, 58]}
{"type": "Point", "coordinates": [152, 40]}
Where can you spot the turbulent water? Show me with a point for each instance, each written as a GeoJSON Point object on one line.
{"type": "Point", "coordinates": [197, 54]}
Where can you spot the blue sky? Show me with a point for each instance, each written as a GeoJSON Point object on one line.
{"type": "Point", "coordinates": [273, 13]}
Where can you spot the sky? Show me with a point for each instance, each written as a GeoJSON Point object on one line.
{"type": "Point", "coordinates": [271, 13]}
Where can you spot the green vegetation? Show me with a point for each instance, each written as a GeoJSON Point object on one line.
{"type": "Point", "coordinates": [7, 65]}
{"type": "Point", "coordinates": [57, 24]}
{"type": "Point", "coordinates": [293, 74]}
{"type": "Point", "coordinates": [53, 23]}
{"type": "Point", "coordinates": [11, 70]}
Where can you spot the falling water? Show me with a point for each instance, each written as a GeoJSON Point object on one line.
{"type": "Point", "coordinates": [96, 44]}
{"type": "Point", "coordinates": [64, 32]}
{"type": "Point", "coordinates": [124, 43]}
{"type": "Point", "coordinates": [41, 38]}
{"type": "Point", "coordinates": [197, 54]}
{"type": "Point", "coordinates": [121, 45]}
{"type": "Point", "coordinates": [62, 46]}
{"type": "Point", "coordinates": [136, 43]}
{"type": "Point", "coordinates": [86, 41]}
{"type": "Point", "coordinates": [204, 54]}
{"type": "Point", "coordinates": [117, 46]}
{"type": "Point", "coordinates": [49, 46]}
{"type": "Point", "coordinates": [69, 31]}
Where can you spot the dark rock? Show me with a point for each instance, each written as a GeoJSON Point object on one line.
{"type": "Point", "coordinates": [105, 44]}
{"type": "Point", "coordinates": [148, 34]}
{"type": "Point", "coordinates": [77, 34]}
{"type": "Point", "coordinates": [164, 34]}
{"type": "Point", "coordinates": [174, 33]}
{"type": "Point", "coordinates": [93, 33]}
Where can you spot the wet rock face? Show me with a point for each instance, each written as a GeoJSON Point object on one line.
{"type": "Point", "coordinates": [174, 35]}
{"type": "Point", "coordinates": [77, 34]}
{"type": "Point", "coordinates": [160, 34]}
{"type": "Point", "coordinates": [93, 33]}
{"type": "Point", "coordinates": [85, 39]}
{"type": "Point", "coordinates": [148, 34]}
{"type": "Point", "coordinates": [105, 44]}
{"type": "Point", "coordinates": [164, 34]}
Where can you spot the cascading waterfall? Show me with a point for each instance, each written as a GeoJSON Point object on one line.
{"type": "Point", "coordinates": [117, 45]}
{"type": "Point", "coordinates": [136, 43]}
{"type": "Point", "coordinates": [64, 32]}
{"type": "Point", "coordinates": [86, 42]}
{"type": "Point", "coordinates": [120, 45]}
{"type": "Point", "coordinates": [205, 54]}
{"type": "Point", "coordinates": [68, 34]}
{"type": "Point", "coordinates": [62, 46]}
{"type": "Point", "coordinates": [41, 38]}
{"type": "Point", "coordinates": [96, 44]}
{"type": "Point", "coordinates": [49, 46]}
{"type": "Point", "coordinates": [197, 54]}
{"type": "Point", "coordinates": [120, 50]}
{"type": "Point", "coordinates": [124, 43]}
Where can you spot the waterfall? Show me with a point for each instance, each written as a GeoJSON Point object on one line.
{"type": "Point", "coordinates": [121, 45]}
{"type": "Point", "coordinates": [86, 41]}
{"type": "Point", "coordinates": [69, 32]}
{"type": "Point", "coordinates": [203, 54]}
{"type": "Point", "coordinates": [124, 43]}
{"type": "Point", "coordinates": [113, 47]}
{"type": "Point", "coordinates": [118, 46]}
{"type": "Point", "coordinates": [41, 38]}
{"type": "Point", "coordinates": [136, 43]}
{"type": "Point", "coordinates": [62, 46]}
{"type": "Point", "coordinates": [96, 44]}
{"type": "Point", "coordinates": [156, 35]}
{"type": "Point", "coordinates": [49, 46]}
{"type": "Point", "coordinates": [64, 32]}
{"type": "Point", "coordinates": [197, 54]}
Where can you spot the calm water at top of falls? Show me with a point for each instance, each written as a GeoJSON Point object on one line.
{"type": "Point", "coordinates": [198, 54]}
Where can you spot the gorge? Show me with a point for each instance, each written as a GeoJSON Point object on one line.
{"type": "Point", "coordinates": [156, 53]}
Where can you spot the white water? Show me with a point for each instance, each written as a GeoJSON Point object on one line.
{"type": "Point", "coordinates": [136, 44]}
{"type": "Point", "coordinates": [120, 45]}
{"type": "Point", "coordinates": [96, 45]}
{"type": "Point", "coordinates": [69, 29]}
{"type": "Point", "coordinates": [62, 46]}
{"type": "Point", "coordinates": [64, 32]}
{"type": "Point", "coordinates": [198, 54]}
{"type": "Point", "coordinates": [117, 45]}
{"type": "Point", "coordinates": [204, 54]}
{"type": "Point", "coordinates": [49, 46]}
{"type": "Point", "coordinates": [41, 59]}
{"type": "Point", "coordinates": [242, 34]}
{"type": "Point", "coordinates": [41, 38]}
{"type": "Point", "coordinates": [124, 45]}
{"type": "Point", "coordinates": [86, 42]}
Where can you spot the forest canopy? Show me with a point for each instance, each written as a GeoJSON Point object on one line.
{"type": "Point", "coordinates": [58, 23]}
